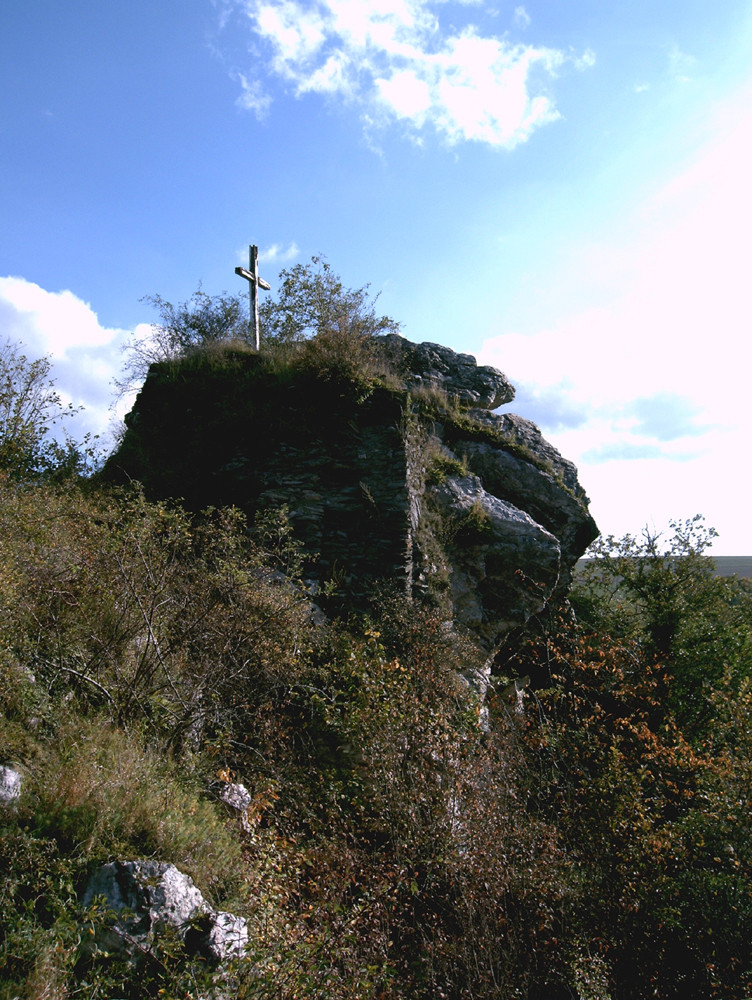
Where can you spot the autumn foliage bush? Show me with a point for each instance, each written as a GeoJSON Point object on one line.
{"type": "Point", "coordinates": [664, 904]}
{"type": "Point", "coordinates": [402, 840]}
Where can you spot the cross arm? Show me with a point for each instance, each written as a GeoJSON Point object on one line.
{"type": "Point", "coordinates": [249, 276]}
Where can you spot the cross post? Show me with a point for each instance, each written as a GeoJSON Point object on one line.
{"type": "Point", "coordinates": [254, 282]}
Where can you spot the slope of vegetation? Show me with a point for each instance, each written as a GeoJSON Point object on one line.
{"type": "Point", "coordinates": [399, 844]}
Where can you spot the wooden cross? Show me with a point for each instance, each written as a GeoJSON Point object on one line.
{"type": "Point", "coordinates": [251, 276]}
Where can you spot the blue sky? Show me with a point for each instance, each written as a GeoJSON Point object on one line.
{"type": "Point", "coordinates": [559, 188]}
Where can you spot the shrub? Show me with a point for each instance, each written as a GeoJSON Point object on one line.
{"type": "Point", "coordinates": [401, 839]}
{"type": "Point", "coordinates": [312, 301]}
{"type": "Point", "coordinates": [624, 788]}
{"type": "Point", "coordinates": [664, 594]}
{"type": "Point", "coordinates": [39, 934]}
{"type": "Point", "coordinates": [203, 322]}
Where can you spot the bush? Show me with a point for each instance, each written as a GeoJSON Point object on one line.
{"type": "Point", "coordinates": [39, 933]}
{"type": "Point", "coordinates": [664, 594]}
{"type": "Point", "coordinates": [401, 840]}
{"type": "Point", "coordinates": [312, 301]}
{"type": "Point", "coordinates": [203, 322]}
{"type": "Point", "coordinates": [629, 794]}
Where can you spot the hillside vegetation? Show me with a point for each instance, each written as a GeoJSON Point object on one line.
{"type": "Point", "coordinates": [591, 840]}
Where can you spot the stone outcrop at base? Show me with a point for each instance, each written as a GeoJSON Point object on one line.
{"type": "Point", "coordinates": [143, 899]}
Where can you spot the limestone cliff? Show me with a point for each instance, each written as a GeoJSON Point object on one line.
{"type": "Point", "coordinates": [409, 477]}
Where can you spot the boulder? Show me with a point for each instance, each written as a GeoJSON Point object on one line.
{"type": "Point", "coordinates": [10, 785]}
{"type": "Point", "coordinates": [237, 797]}
{"type": "Point", "coordinates": [145, 899]}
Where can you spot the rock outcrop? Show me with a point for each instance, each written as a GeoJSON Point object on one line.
{"type": "Point", "coordinates": [145, 899]}
{"type": "Point", "coordinates": [414, 481]}
{"type": "Point", "coordinates": [10, 785]}
{"type": "Point", "coordinates": [431, 366]}
{"type": "Point", "coordinates": [502, 564]}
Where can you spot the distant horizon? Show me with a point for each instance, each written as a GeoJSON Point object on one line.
{"type": "Point", "coordinates": [725, 565]}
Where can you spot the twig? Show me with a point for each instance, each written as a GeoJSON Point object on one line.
{"type": "Point", "coordinates": [85, 677]}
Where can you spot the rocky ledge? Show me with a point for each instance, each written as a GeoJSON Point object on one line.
{"type": "Point", "coordinates": [417, 481]}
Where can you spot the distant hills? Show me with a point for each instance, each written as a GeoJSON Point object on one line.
{"type": "Point", "coordinates": [733, 565]}
{"type": "Point", "coordinates": [740, 566]}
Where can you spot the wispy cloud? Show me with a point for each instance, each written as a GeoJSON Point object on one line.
{"type": "Point", "coordinates": [628, 451]}
{"type": "Point", "coordinates": [394, 60]}
{"type": "Point", "coordinates": [552, 407]}
{"type": "Point", "coordinates": [277, 254]}
{"type": "Point", "coordinates": [660, 365]}
{"type": "Point", "coordinates": [681, 65]}
{"type": "Point", "coordinates": [274, 254]}
{"type": "Point", "coordinates": [252, 96]}
{"type": "Point", "coordinates": [667, 416]}
{"type": "Point", "coordinates": [521, 17]}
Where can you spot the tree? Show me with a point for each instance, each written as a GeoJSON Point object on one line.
{"type": "Point", "coordinates": [29, 409]}
{"type": "Point", "coordinates": [312, 300]}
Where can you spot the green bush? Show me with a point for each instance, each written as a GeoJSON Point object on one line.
{"type": "Point", "coordinates": [39, 932]}
{"type": "Point", "coordinates": [402, 840]}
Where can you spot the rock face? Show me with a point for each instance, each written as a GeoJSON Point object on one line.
{"type": "Point", "coordinates": [147, 898]}
{"type": "Point", "coordinates": [546, 488]}
{"type": "Point", "coordinates": [10, 785]}
{"type": "Point", "coordinates": [503, 565]}
{"type": "Point", "coordinates": [414, 481]}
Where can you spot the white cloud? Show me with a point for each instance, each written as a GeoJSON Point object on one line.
{"type": "Point", "coordinates": [298, 33]}
{"type": "Point", "coordinates": [274, 254]}
{"type": "Point", "coordinates": [252, 97]}
{"type": "Point", "coordinates": [85, 355]}
{"type": "Point", "coordinates": [406, 94]}
{"type": "Point", "coordinates": [483, 91]}
{"type": "Point", "coordinates": [681, 65]}
{"type": "Point", "coordinates": [585, 61]}
{"type": "Point", "coordinates": [393, 59]}
{"type": "Point", "coordinates": [52, 322]}
{"type": "Point", "coordinates": [660, 365]}
{"type": "Point", "coordinates": [277, 254]}
{"type": "Point", "coordinates": [521, 17]}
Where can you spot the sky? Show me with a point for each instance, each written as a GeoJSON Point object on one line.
{"type": "Point", "coordinates": [560, 188]}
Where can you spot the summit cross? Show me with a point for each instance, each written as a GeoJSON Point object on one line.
{"type": "Point", "coordinates": [254, 282]}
